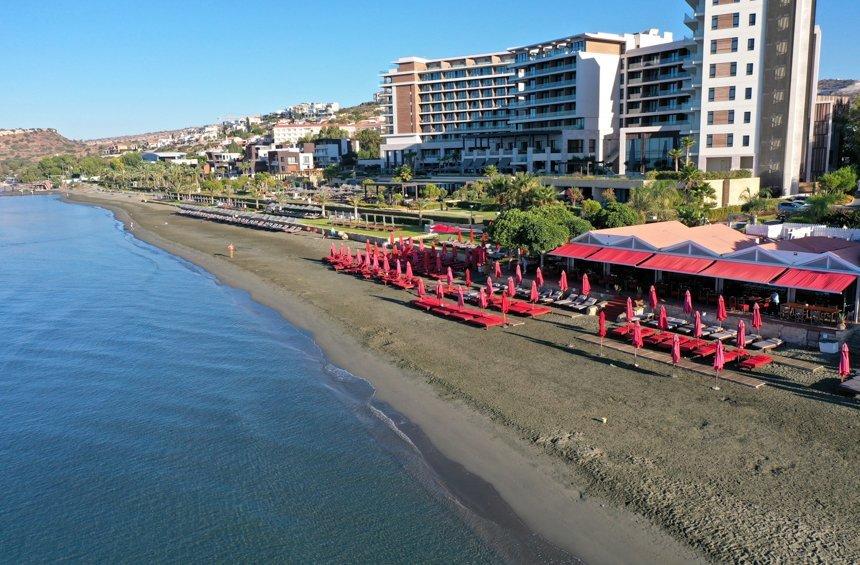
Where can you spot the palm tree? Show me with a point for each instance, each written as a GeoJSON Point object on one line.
{"type": "Point", "coordinates": [687, 143]}
{"type": "Point", "coordinates": [675, 154]}
{"type": "Point", "coordinates": [321, 197]}
{"type": "Point", "coordinates": [656, 200]}
{"type": "Point", "coordinates": [355, 200]}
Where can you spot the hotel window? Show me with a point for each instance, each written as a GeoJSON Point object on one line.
{"type": "Point", "coordinates": [749, 69]}
{"type": "Point", "coordinates": [730, 140]}
{"type": "Point", "coordinates": [750, 44]}
{"type": "Point", "coordinates": [747, 117]}
{"type": "Point", "coordinates": [709, 141]}
{"type": "Point", "coordinates": [710, 118]}
{"type": "Point", "coordinates": [711, 94]}
{"type": "Point", "coordinates": [752, 19]}
{"type": "Point", "coordinates": [731, 93]}
{"type": "Point", "coordinates": [748, 93]}
{"type": "Point", "coordinates": [733, 69]}
{"type": "Point", "coordinates": [592, 146]}
{"type": "Point", "coordinates": [731, 116]}
{"type": "Point", "coordinates": [736, 19]}
{"type": "Point", "coordinates": [746, 141]}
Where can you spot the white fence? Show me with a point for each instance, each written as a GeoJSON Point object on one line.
{"type": "Point", "coordinates": [796, 231]}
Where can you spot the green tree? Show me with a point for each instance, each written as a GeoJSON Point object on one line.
{"type": "Point", "coordinates": [369, 141]}
{"type": "Point", "coordinates": [560, 214]}
{"type": "Point", "coordinates": [758, 203]}
{"type": "Point", "coordinates": [131, 159]}
{"type": "Point", "coordinates": [491, 171]}
{"type": "Point", "coordinates": [687, 143]}
{"type": "Point", "coordinates": [404, 172]}
{"type": "Point", "coordinates": [533, 231]}
{"type": "Point", "coordinates": [656, 200]}
{"type": "Point", "coordinates": [591, 210]}
{"type": "Point", "coordinates": [617, 215]}
{"type": "Point", "coordinates": [435, 193]}
{"type": "Point", "coordinates": [574, 194]}
{"type": "Point", "coordinates": [331, 172]}
{"type": "Point", "coordinates": [356, 201]}
{"type": "Point", "coordinates": [840, 181]}
{"type": "Point", "coordinates": [322, 197]}
{"type": "Point", "coordinates": [675, 154]}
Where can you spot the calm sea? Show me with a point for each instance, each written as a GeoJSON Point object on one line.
{"type": "Point", "coordinates": [148, 413]}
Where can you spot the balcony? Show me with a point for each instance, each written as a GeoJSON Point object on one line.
{"type": "Point", "coordinates": [549, 71]}
{"type": "Point", "coordinates": [538, 117]}
{"type": "Point", "coordinates": [543, 101]}
{"type": "Point", "coordinates": [549, 86]}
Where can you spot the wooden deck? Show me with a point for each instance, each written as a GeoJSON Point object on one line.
{"type": "Point", "coordinates": [664, 357]}
{"type": "Point", "coordinates": [852, 385]}
{"type": "Point", "coordinates": [795, 363]}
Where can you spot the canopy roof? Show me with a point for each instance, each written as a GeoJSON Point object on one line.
{"type": "Point", "coordinates": [815, 280]}
{"type": "Point", "coordinates": [574, 250]}
{"type": "Point", "coordinates": [746, 272]}
{"type": "Point", "coordinates": [620, 256]}
{"type": "Point", "coordinates": [676, 264]}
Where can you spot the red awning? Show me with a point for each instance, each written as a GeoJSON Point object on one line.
{"type": "Point", "coordinates": [815, 280]}
{"type": "Point", "coordinates": [676, 264]}
{"type": "Point", "coordinates": [574, 250]}
{"type": "Point", "coordinates": [618, 256]}
{"type": "Point", "coordinates": [747, 272]}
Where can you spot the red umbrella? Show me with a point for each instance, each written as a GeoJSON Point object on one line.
{"type": "Point", "coordinates": [490, 286]}
{"type": "Point", "coordinates": [391, 238]}
{"type": "Point", "coordinates": [461, 300]}
{"type": "Point", "coordinates": [482, 298]}
{"type": "Point", "coordinates": [518, 273]}
{"type": "Point", "coordinates": [468, 277]}
{"type": "Point", "coordinates": [742, 336]}
{"type": "Point", "coordinates": [471, 235]}
{"type": "Point", "coordinates": [720, 357]}
{"type": "Point", "coordinates": [449, 276]}
{"type": "Point", "coordinates": [663, 321]}
{"type": "Point", "coordinates": [676, 349]}
{"type": "Point", "coordinates": [533, 294]}
{"type": "Point", "coordinates": [331, 251]}
{"type": "Point", "coordinates": [440, 290]}
{"type": "Point", "coordinates": [562, 282]}
{"type": "Point", "coordinates": [688, 303]}
{"type": "Point", "coordinates": [539, 277]}
{"type": "Point", "coordinates": [697, 325]}
{"type": "Point", "coordinates": [409, 275]}
{"type": "Point", "coordinates": [421, 291]}
{"type": "Point", "coordinates": [756, 318]}
{"type": "Point", "coordinates": [420, 245]}
{"type": "Point", "coordinates": [399, 271]}
{"type": "Point", "coordinates": [367, 246]}
{"type": "Point", "coordinates": [511, 288]}
{"type": "Point", "coordinates": [721, 309]}
{"type": "Point", "coordinates": [601, 324]}
{"type": "Point", "coordinates": [438, 263]}
{"type": "Point", "coordinates": [629, 309]}
{"type": "Point", "coordinates": [844, 363]}
{"type": "Point", "coordinates": [497, 270]}
{"type": "Point", "coordinates": [386, 266]}
{"type": "Point", "coordinates": [652, 297]}
{"type": "Point", "coordinates": [637, 336]}
{"type": "Point", "coordinates": [459, 236]}
{"type": "Point", "coordinates": [586, 287]}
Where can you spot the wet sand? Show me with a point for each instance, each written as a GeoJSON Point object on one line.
{"type": "Point", "coordinates": [679, 472]}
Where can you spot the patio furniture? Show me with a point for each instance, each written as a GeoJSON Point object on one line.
{"type": "Point", "coordinates": [767, 343]}
{"type": "Point", "coordinates": [756, 361]}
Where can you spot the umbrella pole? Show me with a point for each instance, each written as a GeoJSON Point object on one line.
{"type": "Point", "coordinates": [635, 356]}
{"type": "Point", "coordinates": [601, 346]}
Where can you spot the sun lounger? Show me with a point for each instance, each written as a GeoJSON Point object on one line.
{"type": "Point", "coordinates": [705, 350]}
{"type": "Point", "coordinates": [657, 338]}
{"type": "Point", "coordinates": [722, 336]}
{"type": "Point", "coordinates": [567, 300]}
{"type": "Point", "coordinates": [734, 355]}
{"type": "Point", "coordinates": [667, 345]}
{"type": "Point", "coordinates": [767, 343]}
{"type": "Point", "coordinates": [756, 361]}
{"type": "Point", "coordinates": [692, 344]}
{"type": "Point", "coordinates": [622, 331]}
{"type": "Point", "coordinates": [584, 305]}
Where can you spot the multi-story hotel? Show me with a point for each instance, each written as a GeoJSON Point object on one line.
{"type": "Point", "coordinates": [741, 87]}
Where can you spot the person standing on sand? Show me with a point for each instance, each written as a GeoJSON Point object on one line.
{"type": "Point", "coordinates": [231, 249]}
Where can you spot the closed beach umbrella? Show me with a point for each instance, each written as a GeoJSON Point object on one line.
{"type": "Point", "coordinates": [844, 362]}
{"type": "Point", "coordinates": [562, 281]}
{"type": "Point", "coordinates": [440, 290]}
{"type": "Point", "coordinates": [399, 270]}
{"type": "Point", "coordinates": [367, 246]}
{"type": "Point", "coordinates": [468, 277]}
{"type": "Point", "coordinates": [663, 321]}
{"type": "Point", "coordinates": [688, 303]}
{"type": "Point", "coordinates": [629, 309]}
{"type": "Point", "coordinates": [720, 357]}
{"type": "Point", "coordinates": [461, 300]}
{"type": "Point", "coordinates": [721, 309]}
{"type": "Point", "coordinates": [512, 290]}
{"type": "Point", "coordinates": [471, 235]}
{"type": "Point", "coordinates": [438, 263]}
{"type": "Point", "coordinates": [652, 297]}
{"type": "Point", "coordinates": [539, 277]}
{"type": "Point", "coordinates": [697, 325]}
{"type": "Point", "coordinates": [742, 335]}
{"type": "Point", "coordinates": [482, 298]}
{"type": "Point", "coordinates": [497, 270]}
{"type": "Point", "coordinates": [331, 251]}
{"type": "Point", "coordinates": [533, 294]}
{"type": "Point", "coordinates": [601, 324]}
{"type": "Point", "coordinates": [420, 245]}
{"type": "Point", "coordinates": [637, 336]}
{"type": "Point", "coordinates": [459, 236]}
{"type": "Point", "coordinates": [518, 273]}
{"type": "Point", "coordinates": [490, 286]}
{"type": "Point", "coordinates": [506, 304]}
{"type": "Point", "coordinates": [449, 276]}
{"type": "Point", "coordinates": [586, 288]}
{"type": "Point", "coordinates": [676, 349]}
{"type": "Point", "coordinates": [421, 290]}
{"type": "Point", "coordinates": [391, 238]}
{"type": "Point", "coordinates": [386, 266]}
{"type": "Point", "coordinates": [409, 275]}
{"type": "Point", "coordinates": [756, 318]}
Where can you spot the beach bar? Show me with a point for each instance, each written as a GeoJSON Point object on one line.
{"type": "Point", "coordinates": [809, 280]}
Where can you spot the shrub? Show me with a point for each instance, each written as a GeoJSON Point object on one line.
{"type": "Point", "coordinates": [722, 214]}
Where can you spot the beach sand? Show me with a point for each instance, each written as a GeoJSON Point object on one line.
{"type": "Point", "coordinates": [678, 473]}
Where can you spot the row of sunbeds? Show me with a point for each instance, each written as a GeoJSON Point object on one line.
{"type": "Point", "coordinates": [260, 221]}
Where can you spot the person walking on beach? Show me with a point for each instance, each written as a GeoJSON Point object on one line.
{"type": "Point", "coordinates": [231, 249]}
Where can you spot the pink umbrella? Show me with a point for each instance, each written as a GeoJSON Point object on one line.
{"type": "Point", "coordinates": [601, 324]}
{"type": "Point", "coordinates": [482, 298]}
{"type": "Point", "coordinates": [490, 286]}
{"type": "Point", "coordinates": [533, 294]}
{"type": "Point", "coordinates": [399, 271]}
{"type": "Point", "coordinates": [511, 288]}
{"type": "Point", "coordinates": [637, 336]}
{"type": "Point", "coordinates": [697, 325]}
{"type": "Point", "coordinates": [629, 309]}
{"type": "Point", "coordinates": [497, 270]}
{"type": "Point", "coordinates": [409, 275]}
{"type": "Point", "coordinates": [468, 277]}
{"type": "Point", "coordinates": [562, 282]}
{"type": "Point", "coordinates": [438, 263]}
{"type": "Point", "coordinates": [505, 306]}
{"type": "Point", "coordinates": [721, 309]}
{"type": "Point", "coordinates": [844, 363]}
{"type": "Point", "coordinates": [391, 238]}
{"type": "Point", "coordinates": [720, 357]}
{"type": "Point", "coordinates": [421, 291]}
{"type": "Point", "coordinates": [420, 245]}
{"type": "Point", "coordinates": [652, 297]}
{"type": "Point", "coordinates": [586, 288]}
{"type": "Point", "coordinates": [539, 277]}
{"type": "Point", "coordinates": [461, 300]}
{"type": "Point", "coordinates": [367, 246]}
{"type": "Point", "coordinates": [756, 318]}
{"type": "Point", "coordinates": [440, 290]}
{"type": "Point", "coordinates": [742, 336]}
{"type": "Point", "coordinates": [688, 303]}
{"type": "Point", "coordinates": [331, 251]}
{"type": "Point", "coordinates": [386, 266]}
{"type": "Point", "coordinates": [663, 321]}
{"type": "Point", "coordinates": [676, 349]}
{"type": "Point", "coordinates": [518, 273]}
{"type": "Point", "coordinates": [449, 276]}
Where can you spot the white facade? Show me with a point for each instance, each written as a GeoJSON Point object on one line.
{"type": "Point", "coordinates": [290, 134]}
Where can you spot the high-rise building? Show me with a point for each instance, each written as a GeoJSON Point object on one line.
{"type": "Point", "coordinates": [826, 138]}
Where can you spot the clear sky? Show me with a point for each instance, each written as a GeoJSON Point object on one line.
{"type": "Point", "coordinates": [94, 68]}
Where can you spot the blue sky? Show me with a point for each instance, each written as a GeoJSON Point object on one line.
{"type": "Point", "coordinates": [94, 68]}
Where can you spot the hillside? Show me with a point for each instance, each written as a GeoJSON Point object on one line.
{"type": "Point", "coordinates": [353, 114]}
{"type": "Point", "coordinates": [839, 87]}
{"type": "Point", "coordinates": [28, 146]}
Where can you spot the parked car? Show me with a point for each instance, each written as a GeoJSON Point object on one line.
{"type": "Point", "coordinates": [790, 207]}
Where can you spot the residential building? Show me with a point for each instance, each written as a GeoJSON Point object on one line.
{"type": "Point", "coordinates": [172, 157]}
{"type": "Point", "coordinates": [826, 139]}
{"type": "Point", "coordinates": [289, 134]}
{"type": "Point", "coordinates": [331, 151]}
{"type": "Point", "coordinates": [290, 161]}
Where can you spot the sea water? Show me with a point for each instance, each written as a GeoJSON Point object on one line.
{"type": "Point", "coordinates": [149, 413]}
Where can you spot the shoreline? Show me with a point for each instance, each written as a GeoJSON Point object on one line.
{"type": "Point", "coordinates": [463, 448]}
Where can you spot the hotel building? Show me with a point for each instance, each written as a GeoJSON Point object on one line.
{"type": "Point", "coordinates": [741, 87]}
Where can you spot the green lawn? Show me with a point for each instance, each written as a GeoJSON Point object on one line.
{"type": "Point", "coordinates": [323, 223]}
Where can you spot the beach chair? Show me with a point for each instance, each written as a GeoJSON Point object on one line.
{"type": "Point", "coordinates": [755, 362]}
{"type": "Point", "coordinates": [657, 338]}
{"type": "Point", "coordinates": [584, 305]}
{"type": "Point", "coordinates": [767, 344]}
{"type": "Point", "coordinates": [704, 351]}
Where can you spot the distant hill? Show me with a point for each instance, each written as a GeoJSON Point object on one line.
{"type": "Point", "coordinates": [839, 87]}
{"type": "Point", "coordinates": [353, 114]}
{"type": "Point", "coordinates": [29, 145]}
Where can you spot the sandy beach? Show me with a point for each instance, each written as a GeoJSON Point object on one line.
{"type": "Point", "coordinates": [678, 473]}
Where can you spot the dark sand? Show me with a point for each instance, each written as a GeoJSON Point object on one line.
{"type": "Point", "coordinates": [736, 474]}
